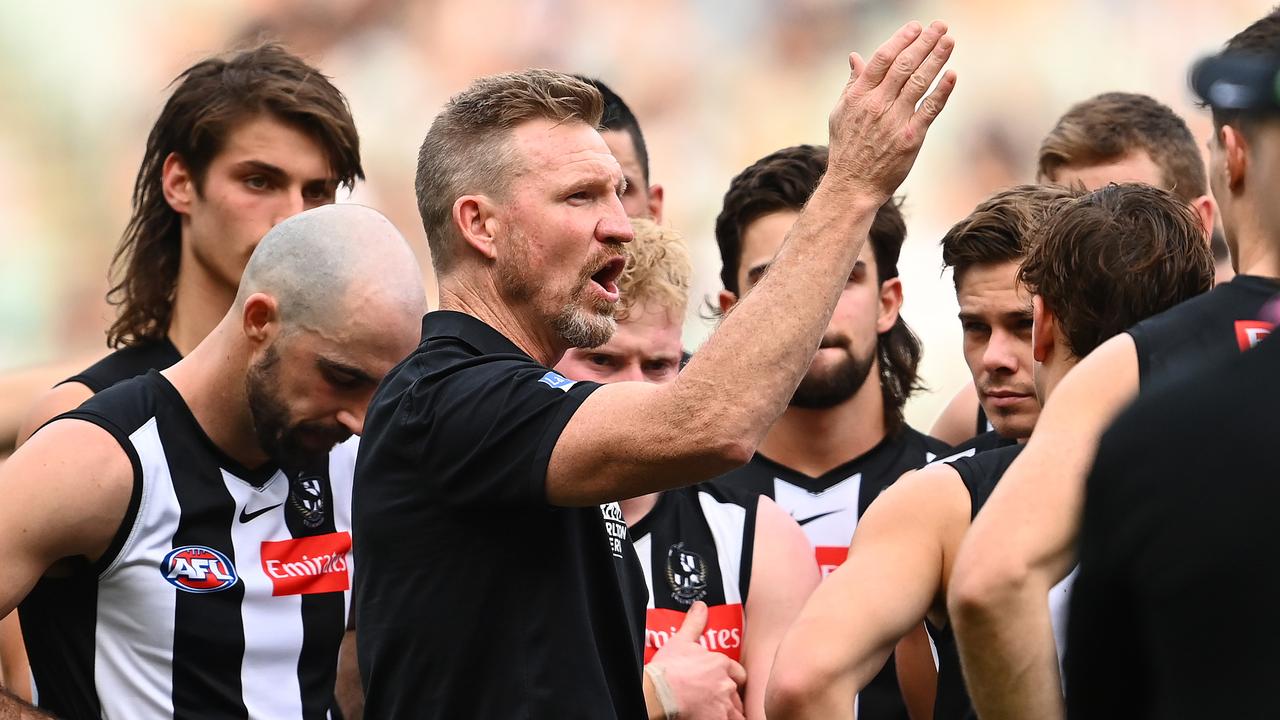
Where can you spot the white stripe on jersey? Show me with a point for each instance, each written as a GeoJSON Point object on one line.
{"type": "Point", "coordinates": [727, 522]}
{"type": "Point", "coordinates": [644, 549]}
{"type": "Point", "coordinates": [133, 638]}
{"type": "Point", "coordinates": [1059, 609]}
{"type": "Point", "coordinates": [342, 466]}
{"type": "Point", "coordinates": [272, 626]}
{"type": "Point", "coordinates": [828, 518]}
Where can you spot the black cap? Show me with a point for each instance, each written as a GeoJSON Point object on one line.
{"type": "Point", "coordinates": [1238, 81]}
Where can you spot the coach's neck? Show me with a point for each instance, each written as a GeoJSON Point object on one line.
{"type": "Point", "coordinates": [477, 294]}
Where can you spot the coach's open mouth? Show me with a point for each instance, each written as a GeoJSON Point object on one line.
{"type": "Point", "coordinates": [607, 277]}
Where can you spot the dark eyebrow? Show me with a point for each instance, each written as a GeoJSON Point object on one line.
{"type": "Point", "coordinates": [279, 173]}
{"type": "Point", "coordinates": [339, 366]}
{"type": "Point", "coordinates": [262, 167]}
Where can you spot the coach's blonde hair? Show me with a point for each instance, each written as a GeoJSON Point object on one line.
{"type": "Point", "coordinates": [658, 270]}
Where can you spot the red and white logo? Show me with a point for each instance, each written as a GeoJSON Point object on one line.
{"type": "Point", "coordinates": [198, 569]}
{"type": "Point", "coordinates": [723, 633]}
{"type": "Point", "coordinates": [830, 558]}
{"type": "Point", "coordinates": [1251, 332]}
{"type": "Point", "coordinates": [308, 565]}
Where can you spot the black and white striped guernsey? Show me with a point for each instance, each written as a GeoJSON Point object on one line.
{"type": "Point", "coordinates": [828, 508]}
{"type": "Point", "coordinates": [224, 593]}
{"type": "Point", "coordinates": [696, 544]}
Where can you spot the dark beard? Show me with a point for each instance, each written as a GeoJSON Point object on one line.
{"type": "Point", "coordinates": [823, 391]}
{"type": "Point", "coordinates": [280, 438]}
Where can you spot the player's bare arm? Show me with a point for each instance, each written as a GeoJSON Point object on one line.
{"type": "Point", "coordinates": [892, 580]}
{"type": "Point", "coordinates": [51, 404]}
{"type": "Point", "coordinates": [783, 575]}
{"type": "Point", "coordinates": [1023, 543]}
{"type": "Point", "coordinates": [56, 504]}
{"type": "Point", "coordinates": [628, 439]}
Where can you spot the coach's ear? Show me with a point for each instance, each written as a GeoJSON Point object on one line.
{"type": "Point", "coordinates": [1044, 328]}
{"type": "Point", "coordinates": [476, 219]}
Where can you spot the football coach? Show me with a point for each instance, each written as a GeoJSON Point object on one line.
{"type": "Point", "coordinates": [494, 574]}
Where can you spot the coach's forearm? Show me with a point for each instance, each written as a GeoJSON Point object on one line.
{"type": "Point", "coordinates": [1007, 650]}
{"type": "Point", "coordinates": [747, 371]}
{"type": "Point", "coordinates": [13, 708]}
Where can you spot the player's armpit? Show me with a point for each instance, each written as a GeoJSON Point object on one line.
{"type": "Point", "coordinates": [891, 580]}
{"type": "Point", "coordinates": [63, 494]}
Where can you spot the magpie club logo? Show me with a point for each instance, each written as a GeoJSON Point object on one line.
{"type": "Point", "coordinates": [198, 569]}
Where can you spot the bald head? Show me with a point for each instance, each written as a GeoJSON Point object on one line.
{"type": "Point", "coordinates": [329, 266]}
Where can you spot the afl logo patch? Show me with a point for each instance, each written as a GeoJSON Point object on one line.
{"type": "Point", "coordinates": [686, 574]}
{"type": "Point", "coordinates": [198, 569]}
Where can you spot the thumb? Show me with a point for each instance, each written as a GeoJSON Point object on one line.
{"type": "Point", "coordinates": [856, 66]}
{"type": "Point", "coordinates": [695, 621]}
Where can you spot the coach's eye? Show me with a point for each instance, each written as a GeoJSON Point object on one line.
{"type": "Point", "coordinates": [600, 360]}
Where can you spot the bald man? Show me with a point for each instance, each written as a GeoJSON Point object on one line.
{"type": "Point", "coordinates": [180, 543]}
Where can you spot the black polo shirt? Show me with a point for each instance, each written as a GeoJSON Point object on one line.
{"type": "Point", "coordinates": [476, 598]}
{"type": "Point", "coordinates": [1173, 614]}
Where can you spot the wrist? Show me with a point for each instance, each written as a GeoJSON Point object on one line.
{"type": "Point", "coordinates": [659, 699]}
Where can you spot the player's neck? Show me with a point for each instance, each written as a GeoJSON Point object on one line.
{"type": "Point", "coordinates": [1259, 254]}
{"type": "Point", "coordinates": [816, 441]}
{"type": "Point", "coordinates": [634, 509]}
{"type": "Point", "coordinates": [200, 301]}
{"type": "Point", "coordinates": [479, 298]}
{"type": "Point", "coordinates": [211, 380]}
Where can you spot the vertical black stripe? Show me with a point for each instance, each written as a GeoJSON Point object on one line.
{"type": "Point", "coordinates": [322, 613]}
{"type": "Point", "coordinates": [58, 619]}
{"type": "Point", "coordinates": [208, 636]}
{"type": "Point", "coordinates": [748, 548]}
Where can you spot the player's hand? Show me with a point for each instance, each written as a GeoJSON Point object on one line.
{"type": "Point", "coordinates": [707, 685]}
{"type": "Point", "coordinates": [876, 129]}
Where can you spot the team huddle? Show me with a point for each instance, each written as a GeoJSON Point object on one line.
{"type": "Point", "coordinates": [291, 491]}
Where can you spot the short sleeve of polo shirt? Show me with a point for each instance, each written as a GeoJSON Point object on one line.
{"type": "Point", "coordinates": [486, 432]}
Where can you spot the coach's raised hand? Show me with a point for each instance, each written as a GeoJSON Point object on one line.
{"type": "Point", "coordinates": [879, 123]}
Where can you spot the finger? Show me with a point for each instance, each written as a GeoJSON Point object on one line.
{"type": "Point", "coordinates": [736, 699]}
{"type": "Point", "coordinates": [887, 53]}
{"type": "Point", "coordinates": [856, 67]}
{"type": "Point", "coordinates": [737, 673]}
{"type": "Point", "coordinates": [933, 104]}
{"type": "Point", "coordinates": [908, 61]}
{"type": "Point", "coordinates": [923, 77]}
{"type": "Point", "coordinates": [695, 621]}
{"type": "Point", "coordinates": [737, 712]}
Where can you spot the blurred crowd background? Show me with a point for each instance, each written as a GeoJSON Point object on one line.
{"type": "Point", "coordinates": [716, 84]}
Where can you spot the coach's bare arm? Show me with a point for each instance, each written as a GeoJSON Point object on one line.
{"type": "Point", "coordinates": [1023, 543]}
{"type": "Point", "coordinates": [63, 494]}
{"type": "Point", "coordinates": [629, 439]}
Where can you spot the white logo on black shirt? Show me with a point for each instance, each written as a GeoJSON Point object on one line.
{"type": "Point", "coordinates": [614, 526]}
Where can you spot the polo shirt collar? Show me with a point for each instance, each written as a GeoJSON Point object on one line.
{"type": "Point", "coordinates": [469, 329]}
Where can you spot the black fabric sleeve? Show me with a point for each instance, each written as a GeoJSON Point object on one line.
{"type": "Point", "coordinates": [494, 427]}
